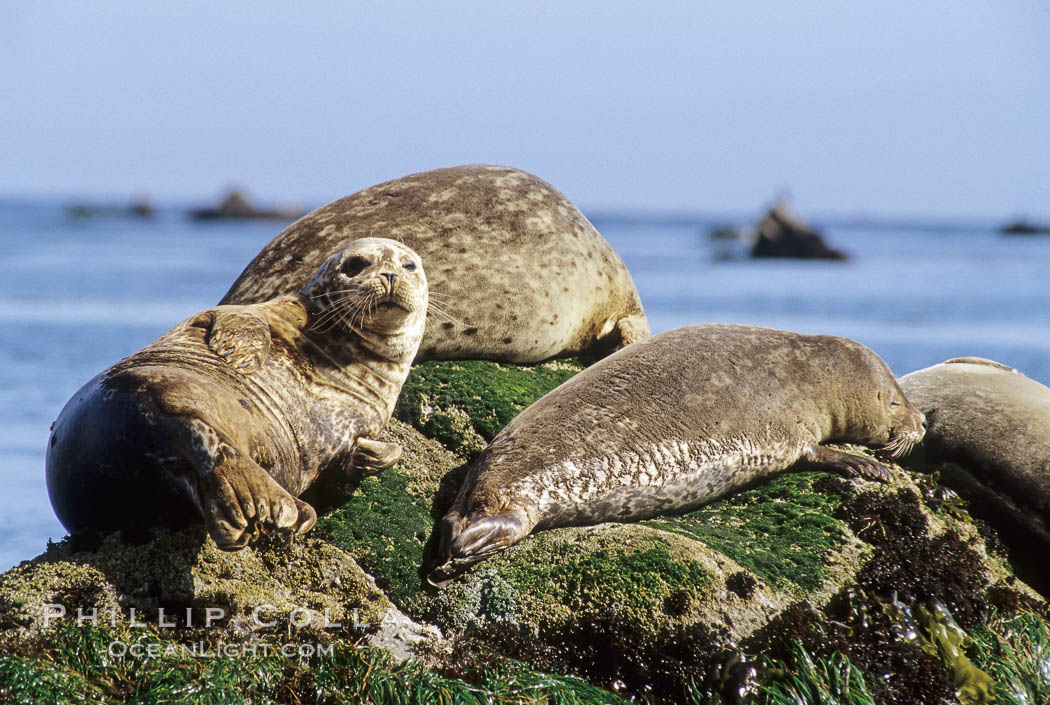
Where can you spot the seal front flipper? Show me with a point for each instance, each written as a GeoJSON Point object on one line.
{"type": "Point", "coordinates": [372, 456]}
{"type": "Point", "coordinates": [465, 542]}
{"type": "Point", "coordinates": [846, 463]}
{"type": "Point", "coordinates": [241, 336]}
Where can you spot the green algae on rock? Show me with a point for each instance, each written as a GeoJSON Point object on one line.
{"type": "Point", "coordinates": [186, 571]}
{"type": "Point", "coordinates": [567, 573]}
{"type": "Point", "coordinates": [385, 528]}
{"type": "Point", "coordinates": [464, 403]}
{"type": "Point", "coordinates": [385, 525]}
{"type": "Point", "coordinates": [782, 530]}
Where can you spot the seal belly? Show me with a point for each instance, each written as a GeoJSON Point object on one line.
{"type": "Point", "coordinates": [668, 478]}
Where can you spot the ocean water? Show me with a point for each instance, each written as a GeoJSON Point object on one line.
{"type": "Point", "coordinates": [77, 295]}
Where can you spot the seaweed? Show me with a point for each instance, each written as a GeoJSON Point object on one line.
{"type": "Point", "coordinates": [780, 530]}
{"type": "Point", "coordinates": [464, 403]}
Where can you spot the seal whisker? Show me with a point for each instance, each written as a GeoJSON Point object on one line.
{"type": "Point", "coordinates": [901, 445]}
{"type": "Point", "coordinates": [354, 290]}
{"type": "Point", "coordinates": [362, 310]}
{"type": "Point", "coordinates": [323, 323]}
{"type": "Point", "coordinates": [357, 315]}
{"type": "Point", "coordinates": [337, 311]}
{"type": "Point", "coordinates": [351, 296]}
{"type": "Point", "coordinates": [335, 307]}
{"type": "Point", "coordinates": [329, 316]}
{"type": "Point", "coordinates": [326, 319]}
{"type": "Point", "coordinates": [346, 302]}
{"type": "Point", "coordinates": [441, 314]}
{"type": "Point", "coordinates": [437, 302]}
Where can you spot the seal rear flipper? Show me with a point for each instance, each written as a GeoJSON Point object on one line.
{"type": "Point", "coordinates": [627, 330]}
{"type": "Point", "coordinates": [846, 463]}
{"type": "Point", "coordinates": [466, 542]}
{"type": "Point", "coordinates": [632, 329]}
{"type": "Point", "coordinates": [307, 517]}
{"type": "Point", "coordinates": [239, 500]}
{"type": "Point", "coordinates": [106, 465]}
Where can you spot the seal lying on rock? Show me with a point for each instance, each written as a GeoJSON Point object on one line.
{"type": "Point", "coordinates": [236, 411]}
{"type": "Point", "coordinates": [989, 435]}
{"type": "Point", "coordinates": [671, 423]}
{"type": "Point", "coordinates": [516, 272]}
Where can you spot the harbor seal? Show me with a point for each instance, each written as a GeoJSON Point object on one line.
{"type": "Point", "coordinates": [236, 411]}
{"type": "Point", "coordinates": [989, 437]}
{"type": "Point", "coordinates": [516, 272]}
{"type": "Point", "coordinates": [671, 423]}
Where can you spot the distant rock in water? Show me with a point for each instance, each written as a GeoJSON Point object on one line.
{"type": "Point", "coordinates": [728, 242]}
{"type": "Point", "coordinates": [782, 234]}
{"type": "Point", "coordinates": [140, 208]}
{"type": "Point", "coordinates": [235, 206]}
{"type": "Point", "coordinates": [1022, 226]}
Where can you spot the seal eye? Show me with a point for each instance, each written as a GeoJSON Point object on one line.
{"type": "Point", "coordinates": [354, 266]}
{"type": "Point", "coordinates": [410, 266]}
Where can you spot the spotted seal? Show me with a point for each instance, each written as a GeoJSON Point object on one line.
{"type": "Point", "coordinates": [236, 411]}
{"type": "Point", "coordinates": [516, 272]}
{"type": "Point", "coordinates": [671, 423]}
{"type": "Point", "coordinates": [989, 437]}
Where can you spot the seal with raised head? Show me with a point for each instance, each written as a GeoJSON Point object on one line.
{"type": "Point", "coordinates": [516, 272]}
{"type": "Point", "coordinates": [671, 423]}
{"type": "Point", "coordinates": [989, 437]}
{"type": "Point", "coordinates": [236, 411]}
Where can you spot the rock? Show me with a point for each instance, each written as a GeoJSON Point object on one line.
{"type": "Point", "coordinates": [667, 609]}
{"type": "Point", "coordinates": [1024, 227]}
{"type": "Point", "coordinates": [139, 208]}
{"type": "Point", "coordinates": [729, 243]}
{"type": "Point", "coordinates": [185, 571]}
{"type": "Point", "coordinates": [782, 234]}
{"type": "Point", "coordinates": [235, 206]}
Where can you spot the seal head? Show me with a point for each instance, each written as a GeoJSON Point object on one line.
{"type": "Point", "coordinates": [376, 290]}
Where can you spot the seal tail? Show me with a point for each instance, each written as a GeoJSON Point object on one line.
{"type": "Point", "coordinates": [465, 542]}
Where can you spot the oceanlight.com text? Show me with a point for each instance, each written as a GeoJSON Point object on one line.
{"type": "Point", "coordinates": [199, 650]}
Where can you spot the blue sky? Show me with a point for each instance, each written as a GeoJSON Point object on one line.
{"type": "Point", "coordinates": [938, 108]}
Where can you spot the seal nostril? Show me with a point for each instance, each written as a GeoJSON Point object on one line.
{"type": "Point", "coordinates": [390, 276]}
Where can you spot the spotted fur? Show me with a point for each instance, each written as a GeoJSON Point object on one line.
{"type": "Point", "coordinates": [516, 272]}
